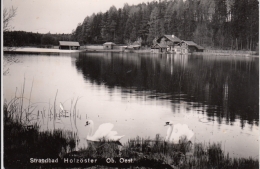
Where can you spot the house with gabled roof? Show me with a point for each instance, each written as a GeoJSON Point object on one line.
{"type": "Point", "coordinates": [172, 44]}
{"type": "Point", "coordinates": [69, 45]}
{"type": "Point", "coordinates": [169, 40]}
{"type": "Point", "coordinates": [192, 46]}
{"type": "Point", "coordinates": [159, 48]}
{"type": "Point", "coordinates": [165, 43]}
{"type": "Point", "coordinates": [109, 45]}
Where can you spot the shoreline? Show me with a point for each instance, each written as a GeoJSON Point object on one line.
{"type": "Point", "coordinates": [37, 50]}
{"type": "Point", "coordinates": [31, 50]}
{"type": "Point", "coordinates": [223, 54]}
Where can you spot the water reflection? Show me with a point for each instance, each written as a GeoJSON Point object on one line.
{"type": "Point", "coordinates": [225, 88]}
{"type": "Point", "coordinates": [216, 96]}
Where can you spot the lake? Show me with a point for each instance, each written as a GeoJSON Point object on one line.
{"type": "Point", "coordinates": [216, 96]}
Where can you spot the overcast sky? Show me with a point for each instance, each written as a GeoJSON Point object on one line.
{"type": "Point", "coordinates": [58, 16]}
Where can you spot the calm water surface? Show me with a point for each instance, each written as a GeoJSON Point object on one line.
{"type": "Point", "coordinates": [216, 96]}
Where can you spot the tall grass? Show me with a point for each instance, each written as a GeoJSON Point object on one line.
{"type": "Point", "coordinates": [212, 156]}
{"type": "Point", "coordinates": [156, 153]}
{"type": "Point", "coordinates": [22, 136]}
{"type": "Point", "coordinates": [24, 140]}
{"type": "Point", "coordinates": [22, 110]}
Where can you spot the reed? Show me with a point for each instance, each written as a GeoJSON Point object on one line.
{"type": "Point", "coordinates": [154, 153]}
{"type": "Point", "coordinates": [212, 156]}
{"type": "Point", "coordinates": [22, 136]}
{"type": "Point", "coordinates": [23, 140]}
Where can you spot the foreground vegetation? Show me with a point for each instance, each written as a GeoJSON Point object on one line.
{"type": "Point", "coordinates": [22, 142]}
{"type": "Point", "coordinates": [155, 153]}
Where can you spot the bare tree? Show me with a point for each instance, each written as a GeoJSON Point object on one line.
{"type": "Point", "coordinates": [8, 15]}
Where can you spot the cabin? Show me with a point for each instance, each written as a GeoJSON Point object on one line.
{"type": "Point", "coordinates": [180, 49]}
{"type": "Point", "coordinates": [167, 42]}
{"type": "Point", "coordinates": [108, 45]}
{"type": "Point", "coordinates": [69, 45]}
{"type": "Point", "coordinates": [172, 44]}
{"type": "Point", "coordinates": [134, 47]}
{"type": "Point", "coordinates": [131, 48]}
{"type": "Point", "coordinates": [192, 47]}
{"type": "Point", "coordinates": [170, 40]}
{"type": "Point", "coordinates": [159, 48]}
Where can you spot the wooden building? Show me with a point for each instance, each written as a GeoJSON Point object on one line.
{"type": "Point", "coordinates": [172, 44]}
{"type": "Point", "coordinates": [167, 42]}
{"type": "Point", "coordinates": [108, 45]}
{"type": "Point", "coordinates": [180, 49]}
{"type": "Point", "coordinates": [170, 41]}
{"type": "Point", "coordinates": [192, 47]}
{"type": "Point", "coordinates": [69, 45]}
{"type": "Point", "coordinates": [134, 47]}
{"type": "Point", "coordinates": [159, 48]}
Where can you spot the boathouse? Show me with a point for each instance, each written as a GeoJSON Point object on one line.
{"type": "Point", "coordinates": [192, 46]}
{"type": "Point", "coordinates": [134, 47]}
{"type": "Point", "coordinates": [108, 45]}
{"type": "Point", "coordinates": [159, 48]}
{"type": "Point", "coordinates": [180, 49]}
{"type": "Point", "coordinates": [167, 42]}
{"type": "Point", "coordinates": [69, 45]}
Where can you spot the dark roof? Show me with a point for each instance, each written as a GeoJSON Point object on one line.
{"type": "Point", "coordinates": [159, 46]}
{"type": "Point", "coordinates": [68, 43]}
{"type": "Point", "coordinates": [191, 43]}
{"type": "Point", "coordinates": [171, 38]}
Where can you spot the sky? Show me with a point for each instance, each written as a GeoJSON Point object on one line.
{"type": "Point", "coordinates": [58, 16]}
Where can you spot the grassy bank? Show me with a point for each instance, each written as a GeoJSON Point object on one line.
{"type": "Point", "coordinates": [155, 153]}
{"type": "Point", "coordinates": [24, 142]}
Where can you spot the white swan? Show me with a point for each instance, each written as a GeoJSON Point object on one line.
{"type": "Point", "coordinates": [63, 110]}
{"type": "Point", "coordinates": [104, 132]}
{"type": "Point", "coordinates": [61, 107]}
{"type": "Point", "coordinates": [178, 131]}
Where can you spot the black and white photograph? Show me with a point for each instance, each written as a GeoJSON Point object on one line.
{"type": "Point", "coordinates": [130, 84]}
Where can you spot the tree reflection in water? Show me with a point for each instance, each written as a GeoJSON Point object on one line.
{"type": "Point", "coordinates": [226, 87]}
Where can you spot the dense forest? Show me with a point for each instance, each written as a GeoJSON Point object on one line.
{"type": "Point", "coordinates": [21, 38]}
{"type": "Point", "coordinates": [224, 24]}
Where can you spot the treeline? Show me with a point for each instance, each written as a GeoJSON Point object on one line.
{"type": "Point", "coordinates": [216, 23]}
{"type": "Point", "coordinates": [224, 24]}
{"type": "Point", "coordinates": [21, 38]}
